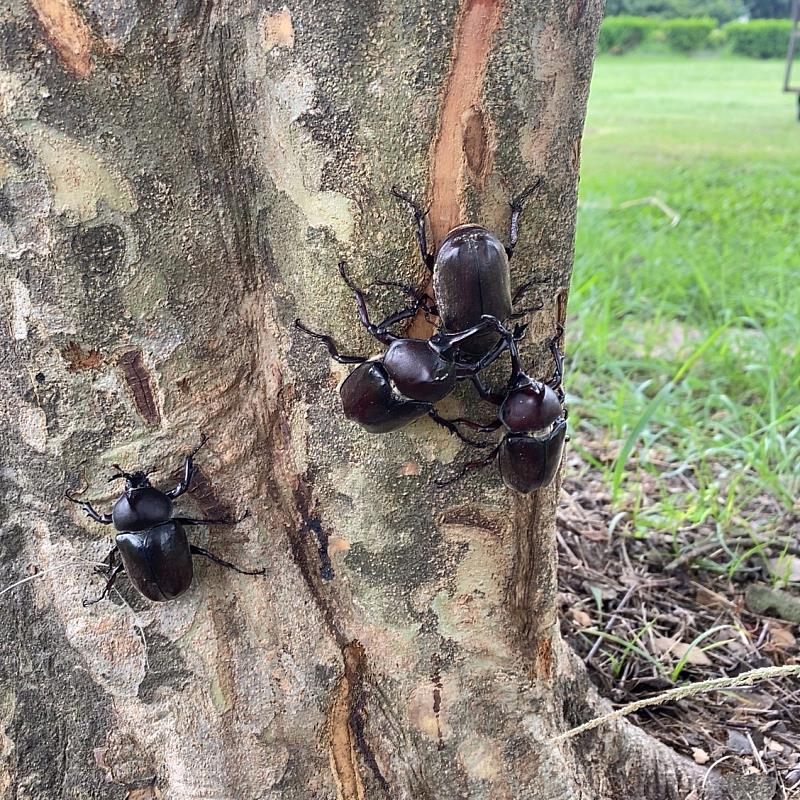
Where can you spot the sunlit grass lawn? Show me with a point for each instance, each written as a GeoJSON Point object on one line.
{"type": "Point", "coordinates": [684, 339]}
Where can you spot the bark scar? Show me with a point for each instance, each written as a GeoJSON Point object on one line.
{"type": "Point", "coordinates": [78, 359]}
{"type": "Point", "coordinates": [462, 135]}
{"type": "Point", "coordinates": [346, 728]}
{"type": "Point", "coordinates": [202, 492]}
{"type": "Point", "coordinates": [436, 677]}
{"type": "Point", "coordinates": [69, 34]}
{"type": "Point", "coordinates": [138, 379]}
{"type": "Point", "coordinates": [461, 144]}
{"type": "Point", "coordinates": [322, 538]}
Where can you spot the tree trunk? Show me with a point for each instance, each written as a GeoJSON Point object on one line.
{"type": "Point", "coordinates": [179, 182]}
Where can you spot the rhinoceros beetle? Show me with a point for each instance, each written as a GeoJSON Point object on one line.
{"type": "Point", "coordinates": [152, 545]}
{"type": "Point", "coordinates": [535, 421]}
{"type": "Point", "coordinates": [471, 277]}
{"type": "Point", "coordinates": [403, 384]}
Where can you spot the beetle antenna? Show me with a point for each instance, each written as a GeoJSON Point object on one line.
{"type": "Point", "coordinates": [203, 440]}
{"type": "Point", "coordinates": [120, 473]}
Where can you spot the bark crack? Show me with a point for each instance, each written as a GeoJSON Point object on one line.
{"type": "Point", "coordinates": [346, 723]}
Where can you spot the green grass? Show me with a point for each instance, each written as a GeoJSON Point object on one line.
{"type": "Point", "coordinates": [684, 340]}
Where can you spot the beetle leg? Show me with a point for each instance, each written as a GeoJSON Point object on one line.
{"type": "Point", "coordinates": [516, 368]}
{"type": "Point", "coordinates": [558, 357]}
{"type": "Point", "coordinates": [380, 332]}
{"type": "Point", "coordinates": [422, 299]}
{"type": "Point", "coordinates": [190, 521]}
{"type": "Point", "coordinates": [517, 204]}
{"type": "Point", "coordinates": [469, 466]}
{"type": "Point", "coordinates": [199, 551]}
{"type": "Point", "coordinates": [524, 289]}
{"type": "Point", "coordinates": [477, 426]}
{"type": "Point", "coordinates": [444, 341]}
{"type": "Point", "coordinates": [109, 583]}
{"type": "Point", "coordinates": [447, 423]}
{"type": "Point", "coordinates": [467, 370]}
{"type": "Point", "coordinates": [330, 345]}
{"type": "Point", "coordinates": [108, 563]}
{"type": "Point", "coordinates": [188, 471]}
{"type": "Point", "coordinates": [518, 295]}
{"type": "Point", "coordinates": [525, 311]}
{"type": "Point", "coordinates": [103, 519]}
{"type": "Point", "coordinates": [486, 393]}
{"type": "Point", "coordinates": [419, 218]}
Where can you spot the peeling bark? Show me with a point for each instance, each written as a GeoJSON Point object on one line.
{"type": "Point", "coordinates": [177, 185]}
{"type": "Point", "coordinates": [462, 135]}
{"type": "Point", "coordinates": [67, 32]}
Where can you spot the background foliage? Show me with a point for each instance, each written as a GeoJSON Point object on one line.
{"type": "Point", "coordinates": [760, 38]}
{"type": "Point", "coordinates": [720, 10]}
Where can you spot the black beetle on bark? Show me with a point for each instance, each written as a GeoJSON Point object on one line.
{"type": "Point", "coordinates": [152, 545]}
{"type": "Point", "coordinates": [535, 421]}
{"type": "Point", "coordinates": [403, 384]}
{"type": "Point", "coordinates": [471, 276]}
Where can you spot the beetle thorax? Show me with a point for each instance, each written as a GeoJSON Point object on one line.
{"type": "Point", "coordinates": [418, 371]}
{"type": "Point", "coordinates": [140, 509]}
{"type": "Point", "coordinates": [531, 408]}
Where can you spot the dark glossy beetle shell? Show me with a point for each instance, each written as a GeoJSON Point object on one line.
{"type": "Point", "coordinates": [158, 561]}
{"type": "Point", "coordinates": [471, 278]}
{"type": "Point", "coordinates": [140, 509]}
{"type": "Point", "coordinates": [368, 399]}
{"type": "Point", "coordinates": [530, 408]}
{"type": "Point", "coordinates": [528, 463]}
{"type": "Point", "coordinates": [418, 371]}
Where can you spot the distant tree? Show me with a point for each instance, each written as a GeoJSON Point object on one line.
{"type": "Point", "coordinates": [768, 9]}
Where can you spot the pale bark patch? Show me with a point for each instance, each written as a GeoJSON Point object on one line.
{"type": "Point", "coordinates": [21, 308]}
{"type": "Point", "coordinates": [541, 136]}
{"type": "Point", "coordinates": [32, 422]}
{"type": "Point", "coordinates": [80, 179]}
{"type": "Point", "coordinates": [294, 161]}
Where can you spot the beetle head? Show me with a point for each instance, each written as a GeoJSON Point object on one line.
{"type": "Point", "coordinates": [133, 480]}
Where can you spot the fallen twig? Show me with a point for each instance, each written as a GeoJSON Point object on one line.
{"type": "Point", "coordinates": [690, 689]}
{"type": "Point", "coordinates": [674, 216]}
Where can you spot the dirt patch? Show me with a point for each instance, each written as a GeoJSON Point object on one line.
{"type": "Point", "coordinates": [647, 614]}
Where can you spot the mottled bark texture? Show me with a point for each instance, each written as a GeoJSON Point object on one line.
{"type": "Point", "coordinates": [179, 181]}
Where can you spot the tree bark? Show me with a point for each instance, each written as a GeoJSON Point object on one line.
{"type": "Point", "coordinates": [179, 182]}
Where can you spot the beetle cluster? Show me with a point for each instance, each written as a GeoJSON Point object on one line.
{"type": "Point", "coordinates": [151, 545]}
{"type": "Point", "coordinates": [535, 421]}
{"type": "Point", "coordinates": [471, 281]}
{"type": "Point", "coordinates": [472, 284]}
